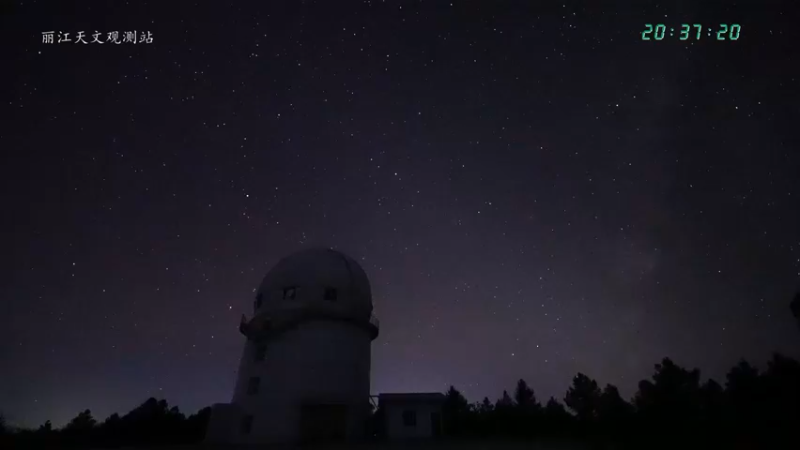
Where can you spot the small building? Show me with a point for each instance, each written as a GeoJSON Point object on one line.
{"type": "Point", "coordinates": [411, 415]}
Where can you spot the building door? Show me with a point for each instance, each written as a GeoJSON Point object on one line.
{"type": "Point", "coordinates": [436, 424]}
{"type": "Point", "coordinates": [323, 423]}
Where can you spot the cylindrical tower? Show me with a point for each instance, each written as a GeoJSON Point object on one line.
{"type": "Point", "coordinates": [305, 369]}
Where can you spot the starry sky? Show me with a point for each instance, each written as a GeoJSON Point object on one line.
{"type": "Point", "coordinates": [532, 189]}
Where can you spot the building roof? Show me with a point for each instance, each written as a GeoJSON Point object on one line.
{"type": "Point", "coordinates": [317, 269]}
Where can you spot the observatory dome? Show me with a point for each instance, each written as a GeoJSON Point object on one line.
{"type": "Point", "coordinates": [316, 273]}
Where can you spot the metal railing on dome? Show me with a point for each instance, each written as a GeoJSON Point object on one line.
{"type": "Point", "coordinates": [374, 321]}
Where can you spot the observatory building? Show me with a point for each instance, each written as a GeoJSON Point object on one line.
{"type": "Point", "coordinates": [305, 368]}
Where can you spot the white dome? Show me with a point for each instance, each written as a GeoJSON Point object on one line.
{"type": "Point", "coordinates": [313, 275]}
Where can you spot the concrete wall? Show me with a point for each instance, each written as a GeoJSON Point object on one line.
{"type": "Point", "coordinates": [317, 362]}
{"type": "Point", "coordinates": [223, 422]}
{"type": "Point", "coordinates": [396, 429]}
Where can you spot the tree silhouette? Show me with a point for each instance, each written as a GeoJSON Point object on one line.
{"type": "Point", "coordinates": [46, 427]}
{"type": "Point", "coordinates": [504, 402]}
{"type": "Point", "coordinates": [525, 410]}
{"type": "Point", "coordinates": [670, 403]}
{"type": "Point", "coordinates": [83, 422]}
{"type": "Point", "coordinates": [742, 392]}
{"type": "Point", "coordinates": [712, 404]}
{"type": "Point", "coordinates": [503, 415]}
{"type": "Point", "coordinates": [196, 425]}
{"type": "Point", "coordinates": [455, 401]}
{"type": "Point", "coordinates": [672, 391]}
{"type": "Point", "coordinates": [612, 410]}
{"type": "Point", "coordinates": [583, 397]}
{"type": "Point", "coordinates": [455, 410]}
{"type": "Point", "coordinates": [555, 418]}
{"type": "Point", "coordinates": [780, 390]}
{"type": "Point", "coordinates": [555, 409]}
{"type": "Point", "coordinates": [152, 423]}
{"type": "Point", "coordinates": [80, 430]}
{"type": "Point", "coordinates": [3, 426]}
{"type": "Point", "coordinates": [485, 406]}
{"type": "Point", "coordinates": [483, 418]}
{"type": "Point", "coordinates": [760, 409]}
{"type": "Point", "coordinates": [524, 396]}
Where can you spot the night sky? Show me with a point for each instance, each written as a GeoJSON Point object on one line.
{"type": "Point", "coordinates": [532, 189]}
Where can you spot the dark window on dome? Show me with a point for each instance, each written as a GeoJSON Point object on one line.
{"type": "Point", "coordinates": [410, 418]}
{"type": "Point", "coordinates": [330, 294]}
{"type": "Point", "coordinates": [261, 352]}
{"type": "Point", "coordinates": [259, 299]}
{"type": "Point", "coordinates": [252, 385]}
{"type": "Point", "coordinates": [247, 424]}
{"type": "Point", "coordinates": [289, 293]}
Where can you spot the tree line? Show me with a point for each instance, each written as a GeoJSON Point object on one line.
{"type": "Point", "coordinates": [674, 406]}
{"type": "Point", "coordinates": [153, 422]}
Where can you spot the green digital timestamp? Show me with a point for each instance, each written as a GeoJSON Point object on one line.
{"type": "Point", "coordinates": [694, 31]}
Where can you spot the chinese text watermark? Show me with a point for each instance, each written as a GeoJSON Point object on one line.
{"type": "Point", "coordinates": [110, 37]}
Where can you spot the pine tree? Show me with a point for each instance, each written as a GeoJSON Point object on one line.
{"type": "Point", "coordinates": [583, 397]}
{"type": "Point", "coordinates": [524, 396]}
